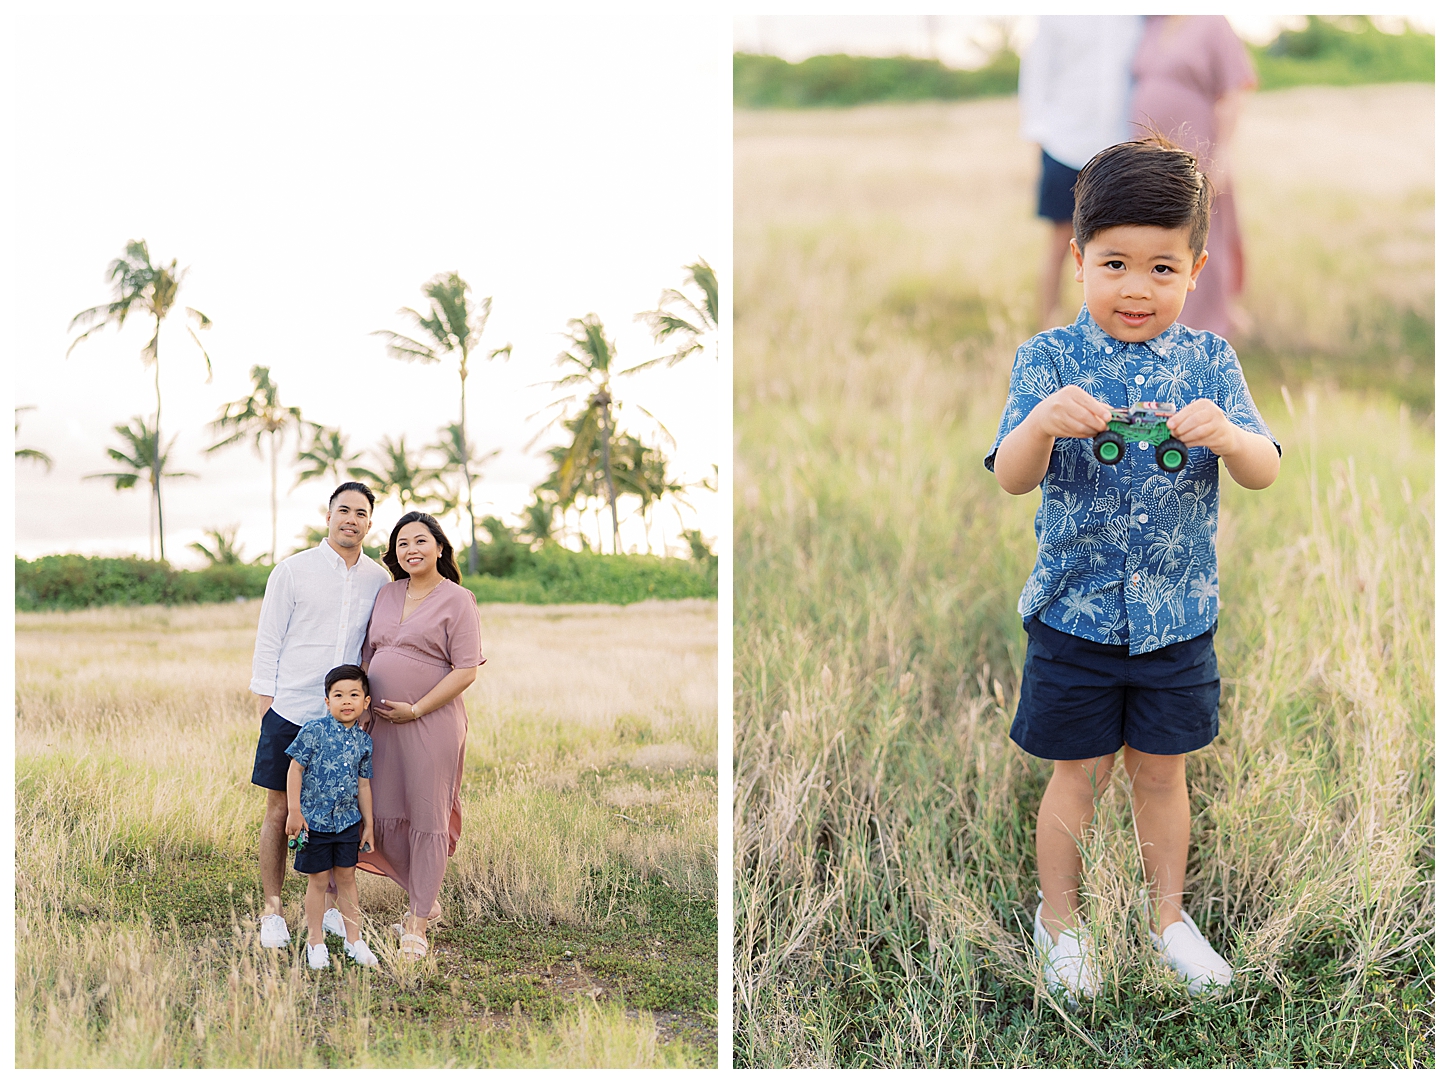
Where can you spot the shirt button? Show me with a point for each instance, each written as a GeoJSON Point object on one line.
{"type": "Point", "coordinates": [1137, 380]}
{"type": "Point", "coordinates": [1143, 445]}
{"type": "Point", "coordinates": [1135, 577]}
{"type": "Point", "coordinates": [1142, 517]}
{"type": "Point", "coordinates": [1107, 350]}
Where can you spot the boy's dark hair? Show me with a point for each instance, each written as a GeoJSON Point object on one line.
{"type": "Point", "coordinates": [346, 672]}
{"type": "Point", "coordinates": [356, 487]}
{"type": "Point", "coordinates": [1148, 182]}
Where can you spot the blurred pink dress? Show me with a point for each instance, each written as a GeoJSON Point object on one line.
{"type": "Point", "coordinates": [1181, 69]}
{"type": "Point", "coordinates": [418, 766]}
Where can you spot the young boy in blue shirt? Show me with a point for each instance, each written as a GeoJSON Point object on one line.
{"type": "Point", "coordinates": [1122, 604]}
{"type": "Point", "coordinates": [330, 798]}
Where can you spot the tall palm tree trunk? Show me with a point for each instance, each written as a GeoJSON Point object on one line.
{"type": "Point", "coordinates": [606, 435]}
{"type": "Point", "coordinates": [273, 555]}
{"type": "Point", "coordinates": [156, 450]}
{"type": "Point", "coordinates": [467, 473]}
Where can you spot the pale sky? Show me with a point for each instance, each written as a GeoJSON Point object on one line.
{"type": "Point", "coordinates": [312, 167]}
{"type": "Point", "coordinates": [957, 39]}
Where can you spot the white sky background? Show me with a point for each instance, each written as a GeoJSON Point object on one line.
{"type": "Point", "coordinates": [957, 39]}
{"type": "Point", "coordinates": [313, 167]}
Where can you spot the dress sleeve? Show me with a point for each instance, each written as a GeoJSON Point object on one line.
{"type": "Point", "coordinates": [463, 639]}
{"type": "Point", "coordinates": [1235, 400]}
{"type": "Point", "coordinates": [1033, 379]}
{"type": "Point", "coordinates": [304, 746]}
{"type": "Point", "coordinates": [1229, 60]}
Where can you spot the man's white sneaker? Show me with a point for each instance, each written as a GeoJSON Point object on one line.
{"type": "Point", "coordinates": [274, 932]}
{"type": "Point", "coordinates": [360, 952]}
{"type": "Point", "coordinates": [332, 923]}
{"type": "Point", "coordinates": [1067, 966]}
{"type": "Point", "coordinates": [1188, 952]}
{"type": "Point", "coordinates": [317, 957]}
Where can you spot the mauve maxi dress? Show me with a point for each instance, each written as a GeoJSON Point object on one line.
{"type": "Point", "coordinates": [1181, 69]}
{"type": "Point", "coordinates": [418, 766]}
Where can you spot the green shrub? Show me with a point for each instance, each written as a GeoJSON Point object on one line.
{"type": "Point", "coordinates": [557, 575]}
{"type": "Point", "coordinates": [72, 582]}
{"type": "Point", "coordinates": [768, 82]}
{"type": "Point", "coordinates": [1344, 51]}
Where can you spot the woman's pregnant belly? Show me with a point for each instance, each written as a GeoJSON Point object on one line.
{"type": "Point", "coordinates": [397, 677]}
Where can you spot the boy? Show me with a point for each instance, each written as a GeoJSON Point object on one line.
{"type": "Point", "coordinates": [1122, 604]}
{"type": "Point", "coordinates": [329, 796]}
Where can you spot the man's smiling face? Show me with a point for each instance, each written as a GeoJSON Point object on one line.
{"type": "Point", "coordinates": [348, 520]}
{"type": "Point", "coordinates": [1136, 278]}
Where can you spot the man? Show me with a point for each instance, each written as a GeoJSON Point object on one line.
{"type": "Point", "coordinates": [314, 617]}
{"type": "Point", "coordinates": [1072, 92]}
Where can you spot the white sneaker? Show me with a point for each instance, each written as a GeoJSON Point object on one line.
{"type": "Point", "coordinates": [1188, 952]}
{"type": "Point", "coordinates": [317, 957]}
{"type": "Point", "coordinates": [1067, 966]}
{"type": "Point", "coordinates": [274, 932]}
{"type": "Point", "coordinates": [360, 952]}
{"type": "Point", "coordinates": [332, 923]}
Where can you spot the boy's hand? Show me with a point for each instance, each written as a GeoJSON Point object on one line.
{"type": "Point", "coordinates": [295, 822]}
{"type": "Point", "coordinates": [1070, 412]}
{"type": "Point", "coordinates": [1203, 424]}
{"type": "Point", "coordinates": [365, 841]}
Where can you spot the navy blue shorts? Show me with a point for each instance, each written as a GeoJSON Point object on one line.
{"type": "Point", "coordinates": [270, 768]}
{"type": "Point", "coordinates": [1082, 699]}
{"type": "Point", "coordinates": [329, 850]}
{"type": "Point", "coordinates": [1054, 191]}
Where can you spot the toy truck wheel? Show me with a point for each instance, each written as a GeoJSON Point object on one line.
{"type": "Point", "coordinates": [1172, 455]}
{"type": "Point", "coordinates": [1108, 447]}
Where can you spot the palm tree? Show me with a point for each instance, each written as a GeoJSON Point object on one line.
{"type": "Point", "coordinates": [326, 455]}
{"type": "Point", "coordinates": [139, 453]}
{"type": "Point", "coordinates": [458, 455]}
{"type": "Point", "coordinates": [224, 549]}
{"type": "Point", "coordinates": [453, 328]}
{"type": "Point", "coordinates": [138, 285]}
{"type": "Point", "coordinates": [684, 319]}
{"type": "Point", "coordinates": [34, 454]}
{"type": "Point", "coordinates": [591, 357]}
{"type": "Point", "coordinates": [259, 415]}
{"type": "Point", "coordinates": [539, 519]}
{"type": "Point", "coordinates": [401, 475]}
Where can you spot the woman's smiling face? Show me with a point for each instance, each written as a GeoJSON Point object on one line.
{"type": "Point", "coordinates": [1136, 278]}
{"type": "Point", "coordinates": [417, 550]}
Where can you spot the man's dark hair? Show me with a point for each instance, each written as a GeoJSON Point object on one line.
{"type": "Point", "coordinates": [347, 672]}
{"type": "Point", "coordinates": [1148, 182]}
{"type": "Point", "coordinates": [356, 487]}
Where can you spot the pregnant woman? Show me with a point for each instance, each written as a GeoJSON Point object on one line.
{"type": "Point", "coordinates": [422, 650]}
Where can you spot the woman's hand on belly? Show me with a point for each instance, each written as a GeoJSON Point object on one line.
{"type": "Point", "coordinates": [394, 712]}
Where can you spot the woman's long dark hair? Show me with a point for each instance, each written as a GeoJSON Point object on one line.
{"type": "Point", "coordinates": [447, 566]}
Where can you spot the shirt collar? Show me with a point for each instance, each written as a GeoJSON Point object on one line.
{"type": "Point", "coordinates": [1161, 344]}
{"type": "Point", "coordinates": [333, 556]}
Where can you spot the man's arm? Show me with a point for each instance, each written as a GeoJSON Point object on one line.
{"type": "Point", "coordinates": [1023, 455]}
{"type": "Point", "coordinates": [277, 603]}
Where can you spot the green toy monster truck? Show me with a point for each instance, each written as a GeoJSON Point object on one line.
{"type": "Point", "coordinates": [1142, 422]}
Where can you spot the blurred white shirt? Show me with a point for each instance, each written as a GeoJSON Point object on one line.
{"type": "Point", "coordinates": [314, 617]}
{"type": "Point", "coordinates": [1074, 84]}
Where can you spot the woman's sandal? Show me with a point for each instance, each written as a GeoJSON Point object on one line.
{"type": "Point", "coordinates": [410, 944]}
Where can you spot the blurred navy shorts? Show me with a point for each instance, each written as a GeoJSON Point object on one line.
{"type": "Point", "coordinates": [329, 850]}
{"type": "Point", "coordinates": [1081, 699]}
{"type": "Point", "coordinates": [269, 769]}
{"type": "Point", "coordinates": [1054, 192]}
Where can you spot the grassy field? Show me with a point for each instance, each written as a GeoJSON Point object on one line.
{"type": "Point", "coordinates": [579, 912]}
{"type": "Point", "coordinates": [884, 861]}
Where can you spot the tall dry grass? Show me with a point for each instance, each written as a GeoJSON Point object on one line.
{"type": "Point", "coordinates": [885, 869]}
{"type": "Point", "coordinates": [590, 770]}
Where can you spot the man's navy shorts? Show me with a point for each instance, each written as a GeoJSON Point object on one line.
{"type": "Point", "coordinates": [329, 850]}
{"type": "Point", "coordinates": [1081, 699]}
{"type": "Point", "coordinates": [1054, 191]}
{"type": "Point", "coordinates": [270, 768]}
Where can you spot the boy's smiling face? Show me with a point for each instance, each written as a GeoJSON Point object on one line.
{"type": "Point", "coordinates": [346, 700]}
{"type": "Point", "coordinates": [1136, 278]}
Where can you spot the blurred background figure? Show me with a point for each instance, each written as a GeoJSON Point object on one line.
{"type": "Point", "coordinates": [1190, 75]}
{"type": "Point", "coordinates": [1073, 94]}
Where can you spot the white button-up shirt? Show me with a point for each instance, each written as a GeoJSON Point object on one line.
{"type": "Point", "coordinates": [1074, 83]}
{"type": "Point", "coordinates": [314, 617]}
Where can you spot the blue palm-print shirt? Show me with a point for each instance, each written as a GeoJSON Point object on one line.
{"type": "Point", "coordinates": [333, 758]}
{"type": "Point", "coordinates": [1126, 553]}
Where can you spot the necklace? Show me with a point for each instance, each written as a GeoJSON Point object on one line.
{"type": "Point", "coordinates": [425, 594]}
